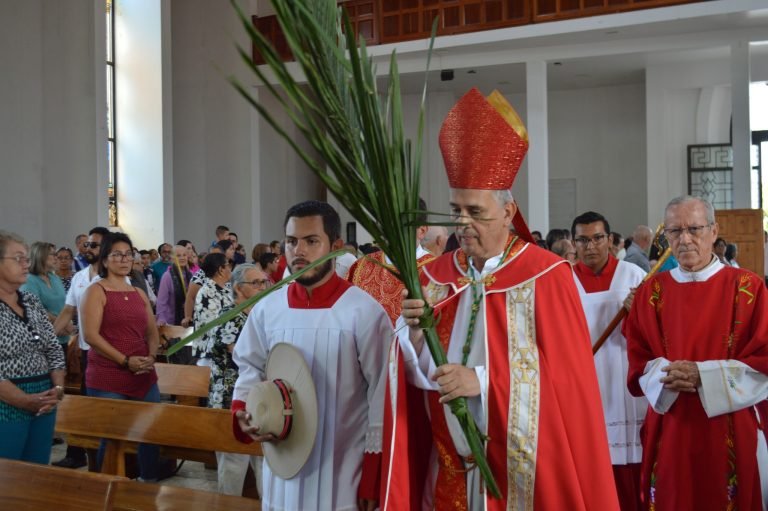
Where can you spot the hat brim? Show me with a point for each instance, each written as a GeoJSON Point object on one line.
{"type": "Point", "coordinates": [287, 457]}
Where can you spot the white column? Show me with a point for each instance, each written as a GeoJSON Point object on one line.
{"type": "Point", "coordinates": [537, 215]}
{"type": "Point", "coordinates": [740, 74]}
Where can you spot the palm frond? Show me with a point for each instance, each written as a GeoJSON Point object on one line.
{"type": "Point", "coordinates": [365, 160]}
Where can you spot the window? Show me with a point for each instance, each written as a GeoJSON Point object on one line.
{"type": "Point", "coordinates": [111, 139]}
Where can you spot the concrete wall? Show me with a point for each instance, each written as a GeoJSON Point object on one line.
{"type": "Point", "coordinates": [52, 187]}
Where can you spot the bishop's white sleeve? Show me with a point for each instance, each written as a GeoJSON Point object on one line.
{"type": "Point", "coordinates": [660, 399]}
{"type": "Point", "coordinates": [250, 354]}
{"type": "Point", "coordinates": [416, 366]}
{"type": "Point", "coordinates": [729, 385]}
{"type": "Point", "coordinates": [373, 337]}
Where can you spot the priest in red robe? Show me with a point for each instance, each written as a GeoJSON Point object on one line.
{"type": "Point", "coordinates": [517, 343]}
{"type": "Point", "coordinates": [698, 350]}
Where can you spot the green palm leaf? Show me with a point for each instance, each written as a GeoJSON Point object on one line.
{"type": "Point", "coordinates": [364, 159]}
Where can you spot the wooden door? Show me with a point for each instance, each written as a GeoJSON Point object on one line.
{"type": "Point", "coordinates": [744, 227]}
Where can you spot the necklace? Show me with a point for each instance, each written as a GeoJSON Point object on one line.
{"type": "Point", "coordinates": [477, 297]}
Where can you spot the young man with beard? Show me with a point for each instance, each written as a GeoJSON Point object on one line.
{"type": "Point", "coordinates": [605, 285]}
{"type": "Point", "coordinates": [75, 456]}
{"type": "Point", "coordinates": [343, 333]}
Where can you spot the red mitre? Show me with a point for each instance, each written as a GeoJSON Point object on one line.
{"type": "Point", "coordinates": [483, 142]}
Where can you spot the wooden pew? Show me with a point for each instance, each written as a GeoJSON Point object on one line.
{"type": "Point", "coordinates": [188, 384]}
{"type": "Point", "coordinates": [33, 487]}
{"type": "Point", "coordinates": [186, 428]}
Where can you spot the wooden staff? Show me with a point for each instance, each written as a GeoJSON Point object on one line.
{"type": "Point", "coordinates": [623, 311]}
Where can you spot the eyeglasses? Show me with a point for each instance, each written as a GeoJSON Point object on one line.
{"type": "Point", "coordinates": [22, 260]}
{"type": "Point", "coordinates": [259, 283]}
{"type": "Point", "coordinates": [91, 244]}
{"type": "Point", "coordinates": [120, 256]}
{"type": "Point", "coordinates": [695, 231]}
{"type": "Point", "coordinates": [597, 239]}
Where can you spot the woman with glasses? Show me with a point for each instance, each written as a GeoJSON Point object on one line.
{"type": "Point", "coordinates": [64, 271]}
{"type": "Point", "coordinates": [247, 281]}
{"type": "Point", "coordinates": [46, 285]}
{"type": "Point", "coordinates": [119, 326]}
{"type": "Point", "coordinates": [31, 362]}
{"type": "Point", "coordinates": [214, 296]}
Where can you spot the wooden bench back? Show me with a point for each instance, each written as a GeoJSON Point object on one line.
{"type": "Point", "coordinates": [32, 487]}
{"type": "Point", "coordinates": [183, 380]}
{"type": "Point", "coordinates": [154, 423]}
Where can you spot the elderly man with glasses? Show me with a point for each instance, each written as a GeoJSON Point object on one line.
{"type": "Point", "coordinates": [698, 350]}
{"type": "Point", "coordinates": [605, 285]}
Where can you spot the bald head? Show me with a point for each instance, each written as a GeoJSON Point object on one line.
{"type": "Point", "coordinates": [435, 239]}
{"type": "Point", "coordinates": [642, 235]}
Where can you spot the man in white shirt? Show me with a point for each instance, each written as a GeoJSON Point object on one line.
{"type": "Point", "coordinates": [75, 456]}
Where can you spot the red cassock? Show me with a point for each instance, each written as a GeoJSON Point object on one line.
{"type": "Point", "coordinates": [692, 461]}
{"type": "Point", "coordinates": [547, 445]}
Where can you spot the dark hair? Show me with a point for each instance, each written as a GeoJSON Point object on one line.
{"type": "Point", "coordinates": [331, 220]}
{"type": "Point", "coordinates": [221, 229]}
{"type": "Point", "coordinates": [617, 237]}
{"type": "Point", "coordinates": [213, 263]}
{"type": "Point", "coordinates": [103, 231]}
{"type": "Point", "coordinates": [65, 249]}
{"type": "Point", "coordinates": [224, 245]}
{"type": "Point", "coordinates": [234, 234]}
{"type": "Point", "coordinates": [554, 235]}
{"type": "Point", "coordinates": [589, 217]}
{"type": "Point", "coordinates": [266, 259]}
{"type": "Point", "coordinates": [184, 243]}
{"type": "Point", "coordinates": [259, 249]}
{"type": "Point", "coordinates": [144, 252]}
{"type": "Point", "coordinates": [720, 240]}
{"type": "Point", "coordinates": [421, 218]}
{"type": "Point", "coordinates": [730, 251]}
{"type": "Point", "coordinates": [534, 233]}
{"type": "Point", "coordinates": [161, 245]}
{"type": "Point", "coordinates": [107, 242]}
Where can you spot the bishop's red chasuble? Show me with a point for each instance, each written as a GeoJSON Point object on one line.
{"type": "Point", "coordinates": [690, 460]}
{"type": "Point", "coordinates": [547, 444]}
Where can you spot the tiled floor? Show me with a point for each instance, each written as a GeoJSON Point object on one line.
{"type": "Point", "coordinates": [192, 474]}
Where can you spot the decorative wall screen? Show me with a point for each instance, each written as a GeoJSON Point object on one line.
{"type": "Point", "coordinates": [710, 173]}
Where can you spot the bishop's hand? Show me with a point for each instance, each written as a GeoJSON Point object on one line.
{"type": "Point", "coordinates": [412, 310]}
{"type": "Point", "coordinates": [455, 380]}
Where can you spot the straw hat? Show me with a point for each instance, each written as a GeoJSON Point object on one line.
{"type": "Point", "coordinates": [286, 406]}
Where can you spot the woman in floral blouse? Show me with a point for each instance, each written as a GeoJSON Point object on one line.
{"type": "Point", "coordinates": [247, 280]}
{"type": "Point", "coordinates": [214, 296]}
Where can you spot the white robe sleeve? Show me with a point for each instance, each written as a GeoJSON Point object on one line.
{"type": "Point", "coordinates": [660, 399]}
{"type": "Point", "coordinates": [729, 385]}
{"type": "Point", "coordinates": [250, 355]}
{"type": "Point", "coordinates": [373, 337]}
{"type": "Point", "coordinates": [416, 366]}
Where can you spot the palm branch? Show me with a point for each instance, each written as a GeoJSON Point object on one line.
{"type": "Point", "coordinates": [364, 160]}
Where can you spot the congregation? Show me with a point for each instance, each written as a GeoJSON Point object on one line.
{"type": "Point", "coordinates": [594, 370]}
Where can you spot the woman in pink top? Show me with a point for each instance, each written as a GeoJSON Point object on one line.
{"type": "Point", "coordinates": [119, 326]}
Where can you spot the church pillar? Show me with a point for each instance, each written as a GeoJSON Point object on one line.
{"type": "Point", "coordinates": [537, 215]}
{"type": "Point", "coordinates": [741, 140]}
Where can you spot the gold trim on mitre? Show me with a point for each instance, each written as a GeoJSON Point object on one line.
{"type": "Point", "coordinates": [502, 106]}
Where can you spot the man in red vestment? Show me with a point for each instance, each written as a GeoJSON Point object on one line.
{"type": "Point", "coordinates": [516, 340]}
{"type": "Point", "coordinates": [698, 350]}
